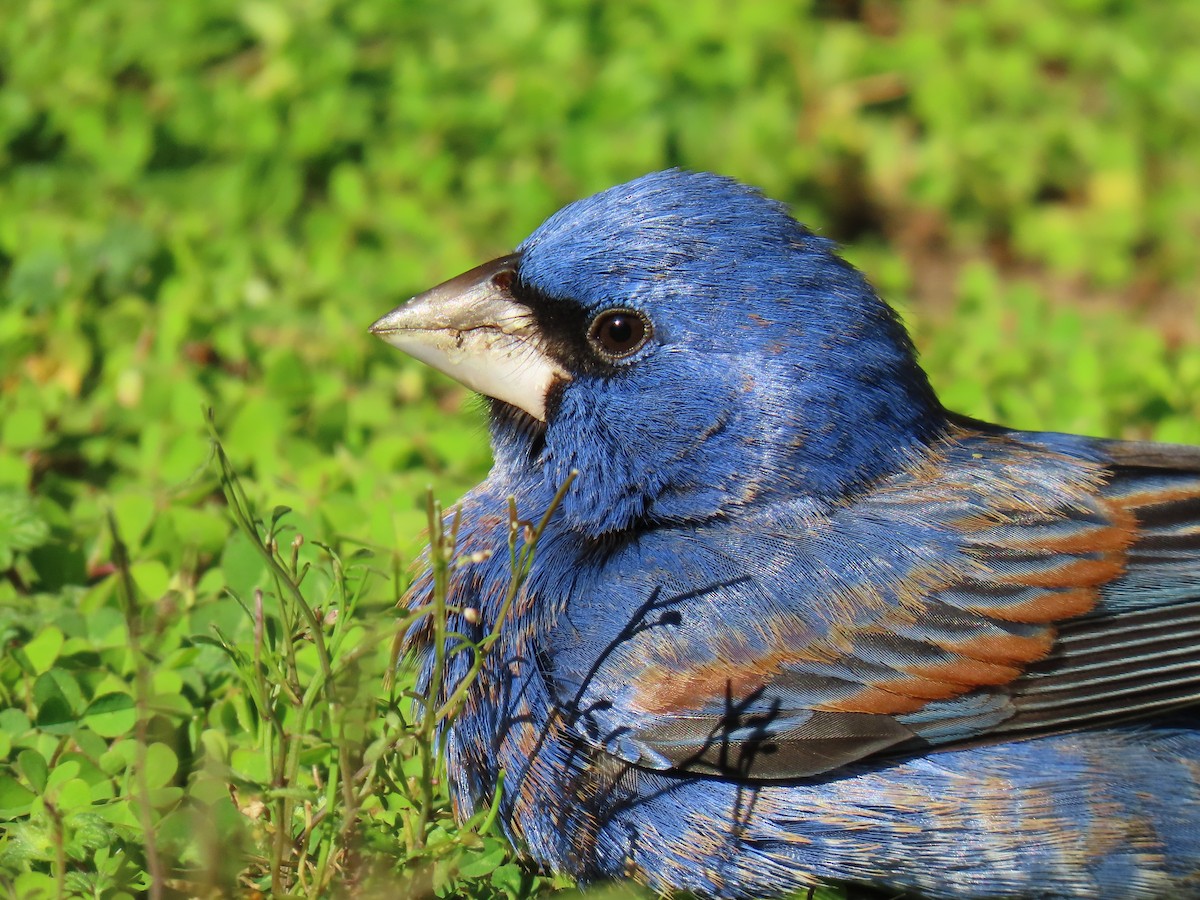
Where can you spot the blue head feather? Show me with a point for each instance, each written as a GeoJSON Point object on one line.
{"type": "Point", "coordinates": [773, 370]}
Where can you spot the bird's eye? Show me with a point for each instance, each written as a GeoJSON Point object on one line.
{"type": "Point", "coordinates": [618, 332]}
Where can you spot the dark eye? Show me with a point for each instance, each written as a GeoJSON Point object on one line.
{"type": "Point", "coordinates": [618, 332]}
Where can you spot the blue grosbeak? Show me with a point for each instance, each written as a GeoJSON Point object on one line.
{"type": "Point", "coordinates": [794, 621]}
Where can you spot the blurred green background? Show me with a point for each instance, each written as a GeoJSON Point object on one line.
{"type": "Point", "coordinates": [204, 204]}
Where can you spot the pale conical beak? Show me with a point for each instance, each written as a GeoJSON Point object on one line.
{"type": "Point", "coordinates": [473, 329]}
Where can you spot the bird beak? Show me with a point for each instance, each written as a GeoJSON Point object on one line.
{"type": "Point", "coordinates": [474, 329]}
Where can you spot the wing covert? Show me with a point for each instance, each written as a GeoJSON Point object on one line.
{"type": "Point", "coordinates": [1002, 588]}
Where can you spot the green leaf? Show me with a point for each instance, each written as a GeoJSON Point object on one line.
{"type": "Point", "coordinates": [216, 744]}
{"type": "Point", "coordinates": [43, 650]}
{"type": "Point", "coordinates": [152, 579]}
{"type": "Point", "coordinates": [63, 772]}
{"type": "Point", "coordinates": [160, 765]}
{"type": "Point", "coordinates": [21, 527]}
{"type": "Point", "coordinates": [35, 886]}
{"type": "Point", "coordinates": [15, 798]}
{"type": "Point", "coordinates": [111, 715]}
{"type": "Point", "coordinates": [202, 529]}
{"type": "Point", "coordinates": [57, 697]}
{"type": "Point", "coordinates": [73, 794]}
{"type": "Point", "coordinates": [242, 565]}
{"type": "Point", "coordinates": [348, 188]}
{"type": "Point", "coordinates": [482, 864]}
{"type": "Point", "coordinates": [92, 835]}
{"type": "Point", "coordinates": [22, 429]}
{"type": "Point", "coordinates": [250, 765]}
{"type": "Point", "coordinates": [164, 797]}
{"type": "Point", "coordinates": [134, 510]}
{"type": "Point", "coordinates": [33, 766]}
{"type": "Point", "coordinates": [509, 878]}
{"type": "Point", "coordinates": [119, 757]}
{"type": "Point", "coordinates": [14, 722]}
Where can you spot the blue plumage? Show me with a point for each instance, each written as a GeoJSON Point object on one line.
{"type": "Point", "coordinates": [795, 622]}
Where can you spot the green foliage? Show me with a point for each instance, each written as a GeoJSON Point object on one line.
{"type": "Point", "coordinates": [260, 743]}
{"type": "Point", "coordinates": [205, 204]}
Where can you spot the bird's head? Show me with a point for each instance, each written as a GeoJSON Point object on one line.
{"type": "Point", "coordinates": [685, 345]}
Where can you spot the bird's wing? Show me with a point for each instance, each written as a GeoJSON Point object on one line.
{"type": "Point", "coordinates": [1007, 586]}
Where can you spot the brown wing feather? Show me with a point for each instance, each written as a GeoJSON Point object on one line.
{"type": "Point", "coordinates": [1139, 654]}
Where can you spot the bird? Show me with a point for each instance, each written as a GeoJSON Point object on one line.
{"type": "Point", "coordinates": [791, 622]}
